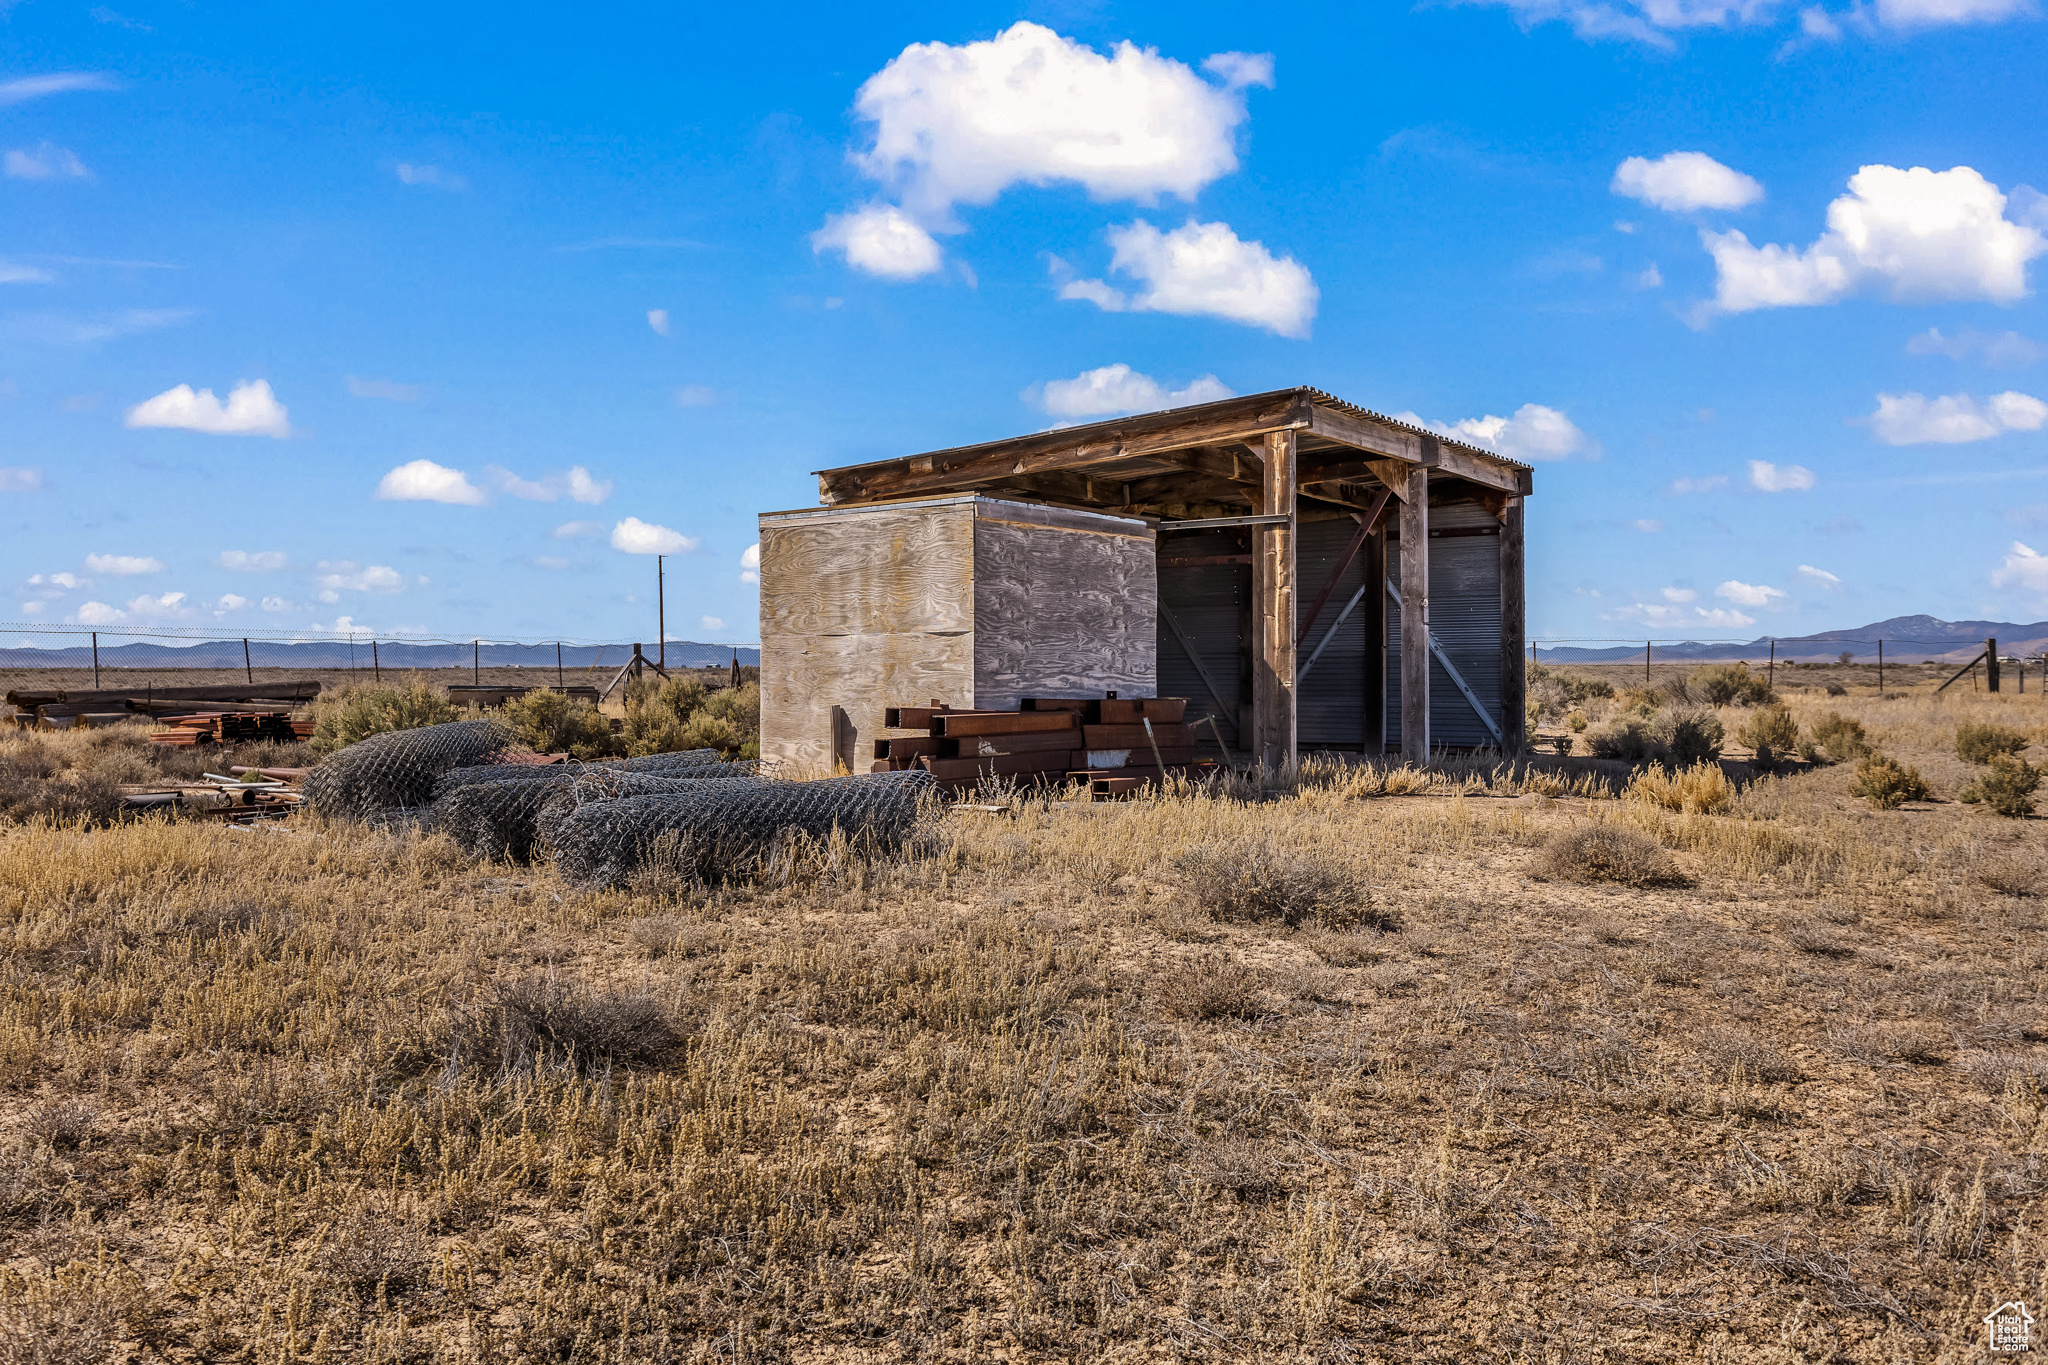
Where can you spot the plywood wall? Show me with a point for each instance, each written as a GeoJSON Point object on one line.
{"type": "Point", "coordinates": [1065, 604]}
{"type": "Point", "coordinates": [970, 601]}
{"type": "Point", "coordinates": [860, 609]}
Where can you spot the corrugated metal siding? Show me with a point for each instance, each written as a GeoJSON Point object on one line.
{"type": "Point", "coordinates": [1330, 702]}
{"type": "Point", "coordinates": [1464, 615]}
{"type": "Point", "coordinates": [1209, 601]}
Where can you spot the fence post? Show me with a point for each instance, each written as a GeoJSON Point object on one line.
{"type": "Point", "coordinates": [248, 669]}
{"type": "Point", "coordinates": [1880, 670]}
{"type": "Point", "coordinates": [95, 661]}
{"type": "Point", "coordinates": [476, 667]}
{"type": "Point", "coordinates": [1991, 664]}
{"type": "Point", "coordinates": [376, 664]}
{"type": "Point", "coordinates": [558, 667]}
{"type": "Point", "coordinates": [1646, 663]}
{"type": "Point", "coordinates": [1771, 674]}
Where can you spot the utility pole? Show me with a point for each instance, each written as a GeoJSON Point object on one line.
{"type": "Point", "coordinates": [660, 615]}
{"type": "Point", "coordinates": [1880, 670]}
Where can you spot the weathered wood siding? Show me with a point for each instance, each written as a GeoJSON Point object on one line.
{"type": "Point", "coordinates": [1065, 603]}
{"type": "Point", "coordinates": [860, 609]}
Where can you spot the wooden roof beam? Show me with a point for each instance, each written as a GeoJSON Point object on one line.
{"type": "Point", "coordinates": [1050, 452]}
{"type": "Point", "coordinates": [1408, 447]}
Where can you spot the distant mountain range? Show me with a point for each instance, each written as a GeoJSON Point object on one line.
{"type": "Point", "coordinates": [391, 654]}
{"type": "Point", "coordinates": [1907, 639]}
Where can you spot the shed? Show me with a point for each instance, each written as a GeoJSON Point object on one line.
{"type": "Point", "coordinates": [1313, 574]}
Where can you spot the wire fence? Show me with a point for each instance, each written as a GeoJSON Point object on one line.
{"type": "Point", "coordinates": [35, 657]}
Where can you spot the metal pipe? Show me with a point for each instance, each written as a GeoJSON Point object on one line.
{"type": "Point", "coordinates": [660, 614]}
{"type": "Point", "coordinates": [95, 661]}
{"type": "Point", "coordinates": [476, 667]}
{"type": "Point", "coordinates": [559, 685]}
{"type": "Point", "coordinates": [248, 669]}
{"type": "Point", "coordinates": [376, 664]}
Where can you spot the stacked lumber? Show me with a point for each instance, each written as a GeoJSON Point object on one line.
{"type": "Point", "coordinates": [1046, 740]}
{"type": "Point", "coordinates": [66, 708]}
{"type": "Point", "coordinates": [231, 727]}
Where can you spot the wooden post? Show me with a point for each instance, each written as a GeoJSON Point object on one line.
{"type": "Point", "coordinates": [1771, 673]}
{"type": "Point", "coordinates": [376, 664]}
{"type": "Point", "coordinates": [1880, 670]}
{"type": "Point", "coordinates": [842, 741]}
{"type": "Point", "coordinates": [1415, 613]}
{"type": "Point", "coordinates": [1991, 664]}
{"type": "Point", "coordinates": [1646, 663]}
{"type": "Point", "coordinates": [1374, 608]}
{"type": "Point", "coordinates": [1514, 678]}
{"type": "Point", "coordinates": [1273, 587]}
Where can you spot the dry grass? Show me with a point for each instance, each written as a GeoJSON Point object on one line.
{"type": "Point", "coordinates": [311, 1092]}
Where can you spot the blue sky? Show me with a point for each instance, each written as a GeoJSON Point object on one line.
{"type": "Point", "coordinates": [444, 318]}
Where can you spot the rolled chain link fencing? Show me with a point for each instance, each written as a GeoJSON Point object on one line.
{"type": "Point", "coordinates": [501, 818]}
{"type": "Point", "coordinates": [729, 827]}
{"type": "Point", "coordinates": [398, 769]}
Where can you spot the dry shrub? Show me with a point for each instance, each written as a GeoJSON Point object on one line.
{"type": "Point", "coordinates": [1604, 853]}
{"type": "Point", "coordinates": [2007, 786]}
{"type": "Point", "coordinates": [1346, 950]}
{"type": "Point", "coordinates": [1254, 880]}
{"type": "Point", "coordinates": [541, 1021]}
{"type": "Point", "coordinates": [2009, 876]}
{"type": "Point", "coordinates": [1983, 741]}
{"type": "Point", "coordinates": [1917, 1044]}
{"type": "Point", "coordinates": [1629, 738]}
{"type": "Point", "coordinates": [1728, 685]}
{"type": "Point", "coordinates": [1211, 987]}
{"type": "Point", "coordinates": [373, 1255]}
{"type": "Point", "coordinates": [1701, 789]}
{"type": "Point", "coordinates": [1836, 738]}
{"type": "Point", "coordinates": [1690, 735]}
{"type": "Point", "coordinates": [1771, 732]}
{"type": "Point", "coordinates": [348, 714]}
{"type": "Point", "coordinates": [1740, 1056]}
{"type": "Point", "coordinates": [1887, 784]}
{"type": "Point", "coordinates": [549, 722]}
{"type": "Point", "coordinates": [1246, 1169]}
{"type": "Point", "coordinates": [62, 1125]}
{"type": "Point", "coordinates": [1820, 939]}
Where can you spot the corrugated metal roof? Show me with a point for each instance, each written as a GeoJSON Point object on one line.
{"type": "Point", "coordinates": [1097, 430]}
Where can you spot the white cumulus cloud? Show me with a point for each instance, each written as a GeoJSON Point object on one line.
{"type": "Point", "coordinates": [1766, 477]}
{"type": "Point", "coordinates": [337, 576]}
{"type": "Point", "coordinates": [959, 125]}
{"type": "Point", "coordinates": [1535, 432]}
{"type": "Point", "coordinates": [1909, 14]}
{"type": "Point", "coordinates": [1680, 182]}
{"type": "Point", "coordinates": [1908, 234]}
{"type": "Point", "coordinates": [577, 484]}
{"type": "Point", "coordinates": [657, 318]}
{"type": "Point", "coordinates": [1749, 594]}
{"type": "Point", "coordinates": [2024, 569]}
{"type": "Point", "coordinates": [1911, 419]}
{"type": "Point", "coordinates": [251, 410]}
{"type": "Point", "coordinates": [97, 614]}
{"type": "Point", "coordinates": [425, 481]}
{"type": "Point", "coordinates": [2000, 350]}
{"type": "Point", "coordinates": [20, 479]}
{"type": "Point", "coordinates": [1820, 576]}
{"type": "Point", "coordinates": [880, 239]}
{"type": "Point", "coordinates": [1204, 268]}
{"type": "Point", "coordinates": [124, 566]}
{"type": "Point", "coordinates": [637, 537]}
{"type": "Point", "coordinates": [1118, 388]}
{"type": "Point", "coordinates": [46, 161]}
{"type": "Point", "coordinates": [229, 601]}
{"type": "Point", "coordinates": [1679, 594]}
{"type": "Point", "coordinates": [252, 561]}
{"type": "Point", "coordinates": [750, 563]}
{"type": "Point", "coordinates": [712, 622]}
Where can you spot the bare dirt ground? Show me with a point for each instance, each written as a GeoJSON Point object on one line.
{"type": "Point", "coordinates": [322, 1093]}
